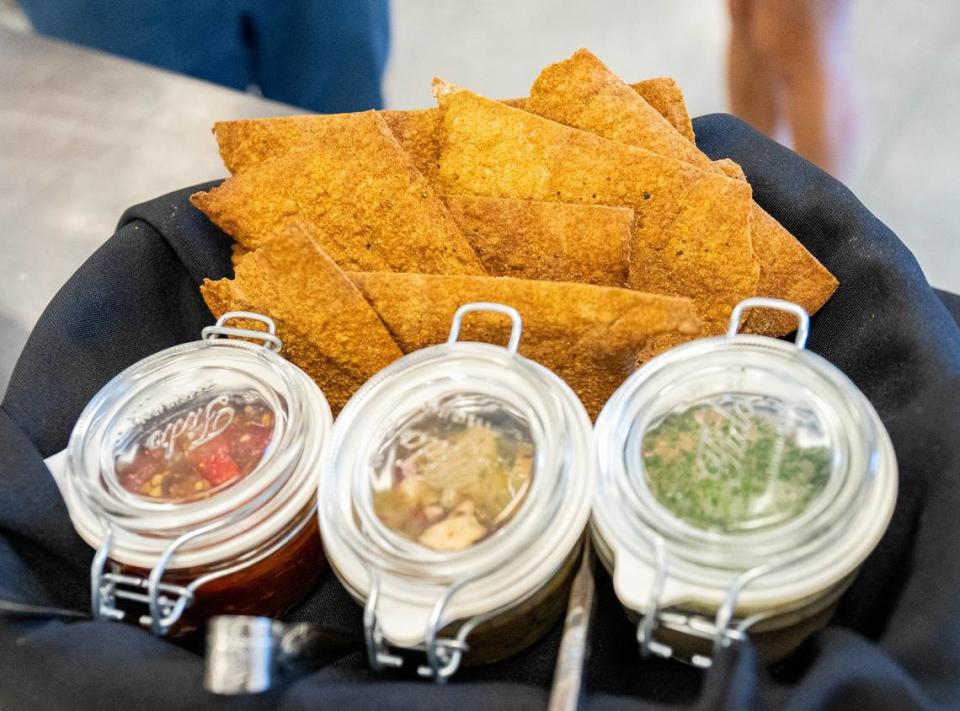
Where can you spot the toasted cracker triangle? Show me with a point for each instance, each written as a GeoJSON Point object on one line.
{"type": "Point", "coordinates": [663, 94]}
{"type": "Point", "coordinates": [327, 327]}
{"type": "Point", "coordinates": [691, 235]}
{"type": "Point", "coordinates": [583, 93]}
{"type": "Point", "coordinates": [543, 240]}
{"type": "Point", "coordinates": [369, 206]}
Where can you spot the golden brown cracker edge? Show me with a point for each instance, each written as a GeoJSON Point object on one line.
{"type": "Point", "coordinates": [589, 335]}
{"type": "Point", "coordinates": [327, 327]}
{"type": "Point", "coordinates": [691, 234]}
{"type": "Point", "coordinates": [369, 206]}
{"type": "Point", "coordinates": [530, 239]}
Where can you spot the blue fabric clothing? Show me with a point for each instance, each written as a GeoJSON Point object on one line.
{"type": "Point", "coordinates": [324, 55]}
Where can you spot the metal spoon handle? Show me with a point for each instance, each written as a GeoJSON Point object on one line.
{"type": "Point", "coordinates": [568, 675]}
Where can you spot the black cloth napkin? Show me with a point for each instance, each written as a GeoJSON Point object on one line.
{"type": "Point", "coordinates": [893, 643]}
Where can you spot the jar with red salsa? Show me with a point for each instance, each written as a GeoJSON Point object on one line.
{"type": "Point", "coordinates": [193, 473]}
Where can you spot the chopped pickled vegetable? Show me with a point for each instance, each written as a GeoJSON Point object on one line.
{"type": "Point", "coordinates": [733, 468]}
{"type": "Point", "coordinates": [449, 486]}
{"type": "Point", "coordinates": [195, 452]}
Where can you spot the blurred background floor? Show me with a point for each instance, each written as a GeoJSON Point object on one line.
{"type": "Point", "coordinates": [906, 55]}
{"type": "Point", "coordinates": [907, 64]}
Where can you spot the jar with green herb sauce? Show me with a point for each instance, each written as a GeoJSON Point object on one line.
{"type": "Point", "coordinates": [742, 482]}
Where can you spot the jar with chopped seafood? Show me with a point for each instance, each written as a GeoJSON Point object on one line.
{"type": "Point", "coordinates": [454, 494]}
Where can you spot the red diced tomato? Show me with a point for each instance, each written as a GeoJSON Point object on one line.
{"type": "Point", "coordinates": [248, 444]}
{"type": "Point", "coordinates": [219, 467]}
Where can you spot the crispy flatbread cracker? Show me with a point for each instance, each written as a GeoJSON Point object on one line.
{"type": "Point", "coordinates": [247, 142]}
{"type": "Point", "coordinates": [665, 96]}
{"type": "Point", "coordinates": [418, 133]}
{"type": "Point", "coordinates": [542, 240]}
{"type": "Point", "coordinates": [589, 335]}
{"type": "Point", "coordinates": [237, 253]}
{"type": "Point", "coordinates": [691, 235]}
{"type": "Point", "coordinates": [787, 271]}
{"type": "Point", "coordinates": [583, 93]}
{"type": "Point", "coordinates": [371, 209]}
{"type": "Point", "coordinates": [327, 327]}
{"type": "Point", "coordinates": [730, 169]}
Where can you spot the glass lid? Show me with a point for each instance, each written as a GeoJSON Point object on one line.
{"type": "Point", "coordinates": [453, 471]}
{"type": "Point", "coordinates": [735, 451]}
{"type": "Point", "coordinates": [737, 461]}
{"type": "Point", "coordinates": [451, 460]}
{"type": "Point", "coordinates": [206, 434]}
{"type": "Point", "coordinates": [196, 446]}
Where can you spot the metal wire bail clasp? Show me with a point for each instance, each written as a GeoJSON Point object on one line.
{"type": "Point", "coordinates": [514, 315]}
{"type": "Point", "coordinates": [725, 632]}
{"type": "Point", "coordinates": [721, 630]}
{"type": "Point", "coordinates": [648, 624]}
{"type": "Point", "coordinates": [378, 654]}
{"type": "Point", "coordinates": [269, 337]}
{"type": "Point", "coordinates": [165, 601]}
{"type": "Point", "coordinates": [763, 302]}
{"type": "Point", "coordinates": [444, 654]}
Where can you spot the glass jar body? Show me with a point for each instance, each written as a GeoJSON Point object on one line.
{"type": "Point", "coordinates": [500, 593]}
{"type": "Point", "coordinates": [268, 585]}
{"type": "Point", "coordinates": [776, 636]}
{"type": "Point", "coordinates": [694, 583]}
{"type": "Point", "coordinates": [193, 475]}
{"type": "Point", "coordinates": [520, 626]}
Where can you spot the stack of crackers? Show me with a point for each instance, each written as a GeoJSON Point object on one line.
{"type": "Point", "coordinates": [587, 206]}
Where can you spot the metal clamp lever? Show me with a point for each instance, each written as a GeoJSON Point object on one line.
{"type": "Point", "coordinates": [763, 302]}
{"type": "Point", "coordinates": [165, 601]}
{"type": "Point", "coordinates": [721, 630]}
{"type": "Point", "coordinates": [269, 337]}
{"type": "Point", "coordinates": [444, 654]}
{"type": "Point", "coordinates": [514, 315]}
{"type": "Point", "coordinates": [648, 625]}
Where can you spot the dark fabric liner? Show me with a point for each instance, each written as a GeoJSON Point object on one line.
{"type": "Point", "coordinates": [893, 643]}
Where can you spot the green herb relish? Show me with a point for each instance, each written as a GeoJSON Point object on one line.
{"type": "Point", "coordinates": [732, 468]}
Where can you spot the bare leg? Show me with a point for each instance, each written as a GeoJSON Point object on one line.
{"type": "Point", "coordinates": [806, 43]}
{"type": "Point", "coordinates": [753, 95]}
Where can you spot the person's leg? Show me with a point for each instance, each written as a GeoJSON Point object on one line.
{"type": "Point", "coordinates": [807, 45]}
{"type": "Point", "coordinates": [325, 55]}
{"type": "Point", "coordinates": [752, 90]}
{"type": "Point", "coordinates": [196, 38]}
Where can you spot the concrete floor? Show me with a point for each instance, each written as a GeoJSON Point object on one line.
{"type": "Point", "coordinates": [908, 71]}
